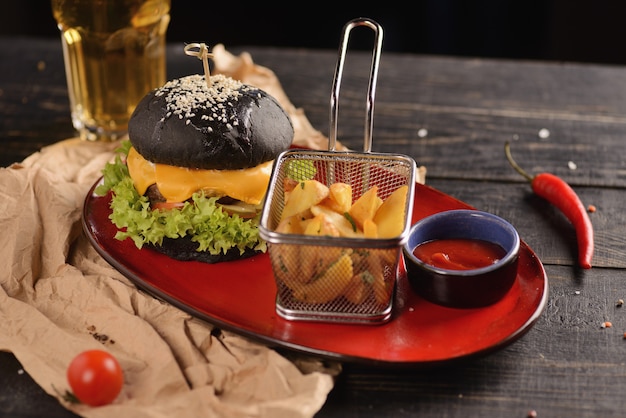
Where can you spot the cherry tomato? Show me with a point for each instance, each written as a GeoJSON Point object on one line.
{"type": "Point", "coordinates": [95, 377]}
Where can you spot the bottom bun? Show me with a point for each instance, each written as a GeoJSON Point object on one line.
{"type": "Point", "coordinates": [184, 249]}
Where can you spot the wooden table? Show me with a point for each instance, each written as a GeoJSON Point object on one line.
{"type": "Point", "coordinates": [453, 116]}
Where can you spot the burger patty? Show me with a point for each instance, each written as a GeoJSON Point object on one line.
{"type": "Point", "coordinates": [154, 195]}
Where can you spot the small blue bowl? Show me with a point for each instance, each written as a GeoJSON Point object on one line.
{"type": "Point", "coordinates": [473, 288]}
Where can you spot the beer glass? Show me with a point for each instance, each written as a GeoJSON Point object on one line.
{"type": "Point", "coordinates": [114, 52]}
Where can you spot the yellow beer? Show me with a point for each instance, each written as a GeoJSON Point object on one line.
{"type": "Point", "coordinates": [114, 53]}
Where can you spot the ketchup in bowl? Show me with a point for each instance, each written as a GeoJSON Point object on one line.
{"type": "Point", "coordinates": [462, 258]}
{"type": "Point", "coordinates": [459, 253]}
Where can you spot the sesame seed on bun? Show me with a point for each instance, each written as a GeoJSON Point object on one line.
{"type": "Point", "coordinates": [228, 126]}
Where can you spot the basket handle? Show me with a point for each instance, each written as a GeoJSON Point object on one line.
{"type": "Point", "coordinates": [371, 92]}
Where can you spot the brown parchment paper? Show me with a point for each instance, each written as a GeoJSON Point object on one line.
{"type": "Point", "coordinates": [58, 297]}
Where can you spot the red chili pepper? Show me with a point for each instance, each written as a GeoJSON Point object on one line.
{"type": "Point", "coordinates": [557, 192]}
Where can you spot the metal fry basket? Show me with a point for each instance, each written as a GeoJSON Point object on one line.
{"type": "Point", "coordinates": [330, 265]}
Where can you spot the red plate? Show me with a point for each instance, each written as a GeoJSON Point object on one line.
{"type": "Point", "coordinates": [240, 296]}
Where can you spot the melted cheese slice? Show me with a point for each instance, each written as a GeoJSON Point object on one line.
{"type": "Point", "coordinates": [177, 184]}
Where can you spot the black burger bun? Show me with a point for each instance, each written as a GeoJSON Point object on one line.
{"type": "Point", "coordinates": [184, 249]}
{"type": "Point", "coordinates": [228, 126]}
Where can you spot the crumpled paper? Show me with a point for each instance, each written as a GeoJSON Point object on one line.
{"type": "Point", "coordinates": [58, 297]}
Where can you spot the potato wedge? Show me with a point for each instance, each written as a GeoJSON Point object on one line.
{"type": "Point", "coordinates": [312, 226]}
{"type": "Point", "coordinates": [390, 216]}
{"type": "Point", "coordinates": [321, 225]}
{"type": "Point", "coordinates": [289, 255]}
{"type": "Point", "coordinates": [290, 225]}
{"type": "Point", "coordinates": [382, 288]}
{"type": "Point", "coordinates": [358, 289]}
{"type": "Point", "coordinates": [366, 206]}
{"type": "Point", "coordinates": [370, 229]}
{"type": "Point", "coordinates": [380, 265]}
{"type": "Point", "coordinates": [343, 225]}
{"type": "Point", "coordinates": [330, 285]}
{"type": "Point", "coordinates": [314, 263]}
{"type": "Point", "coordinates": [339, 197]}
{"type": "Point", "coordinates": [306, 194]}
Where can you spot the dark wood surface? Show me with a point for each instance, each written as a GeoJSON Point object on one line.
{"type": "Point", "coordinates": [453, 115]}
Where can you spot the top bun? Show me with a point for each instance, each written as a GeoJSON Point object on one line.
{"type": "Point", "coordinates": [228, 126]}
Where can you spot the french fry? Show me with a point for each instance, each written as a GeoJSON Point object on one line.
{"type": "Point", "coordinates": [329, 285]}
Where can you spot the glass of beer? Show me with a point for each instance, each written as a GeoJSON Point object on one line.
{"type": "Point", "coordinates": [114, 52]}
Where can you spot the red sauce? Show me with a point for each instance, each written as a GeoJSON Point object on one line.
{"type": "Point", "coordinates": [459, 254]}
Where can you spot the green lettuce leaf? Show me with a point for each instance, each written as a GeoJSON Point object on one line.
{"type": "Point", "coordinates": [213, 229]}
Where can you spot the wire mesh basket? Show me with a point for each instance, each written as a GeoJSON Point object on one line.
{"type": "Point", "coordinates": [335, 222]}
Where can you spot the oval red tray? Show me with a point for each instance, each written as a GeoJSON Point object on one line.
{"type": "Point", "coordinates": [239, 296]}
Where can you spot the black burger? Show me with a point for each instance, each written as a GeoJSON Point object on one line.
{"type": "Point", "coordinates": [192, 177]}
